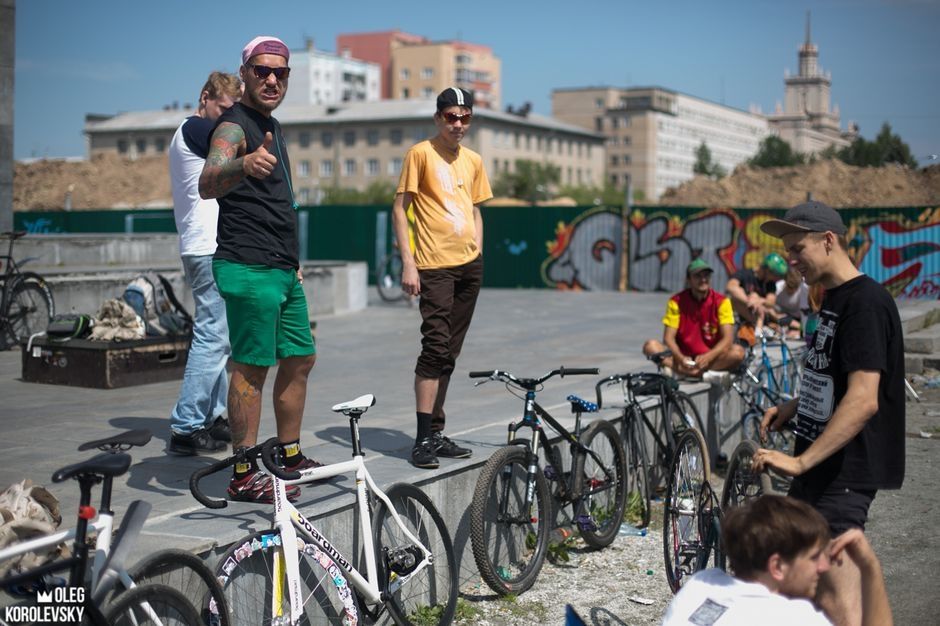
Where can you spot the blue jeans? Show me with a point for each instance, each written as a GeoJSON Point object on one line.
{"type": "Point", "coordinates": [204, 390]}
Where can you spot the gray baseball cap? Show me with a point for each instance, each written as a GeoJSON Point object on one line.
{"type": "Point", "coordinates": [809, 217]}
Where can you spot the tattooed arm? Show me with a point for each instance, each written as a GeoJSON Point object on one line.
{"type": "Point", "coordinates": [227, 164]}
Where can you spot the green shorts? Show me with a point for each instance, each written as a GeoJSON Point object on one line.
{"type": "Point", "coordinates": [266, 310]}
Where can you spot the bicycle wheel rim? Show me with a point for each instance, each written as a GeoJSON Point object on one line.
{"type": "Point", "coordinates": [429, 595]}
{"type": "Point", "coordinates": [151, 605]}
{"type": "Point", "coordinates": [681, 538]}
{"type": "Point", "coordinates": [742, 484]}
{"type": "Point", "coordinates": [388, 278]}
{"type": "Point", "coordinates": [247, 575]}
{"type": "Point", "coordinates": [189, 574]}
{"type": "Point", "coordinates": [28, 311]}
{"type": "Point", "coordinates": [603, 483]}
{"type": "Point", "coordinates": [509, 539]}
{"type": "Point", "coordinates": [637, 510]}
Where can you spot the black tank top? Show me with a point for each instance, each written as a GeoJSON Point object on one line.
{"type": "Point", "coordinates": [257, 219]}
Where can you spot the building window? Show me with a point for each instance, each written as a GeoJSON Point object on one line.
{"type": "Point", "coordinates": [614, 160]}
{"type": "Point", "coordinates": [326, 168]}
{"type": "Point", "coordinates": [506, 165]}
{"type": "Point", "coordinates": [613, 180]}
{"type": "Point", "coordinates": [427, 92]}
{"type": "Point", "coordinates": [626, 141]}
{"type": "Point", "coordinates": [141, 146]}
{"type": "Point", "coordinates": [303, 196]}
{"type": "Point", "coordinates": [599, 103]}
{"type": "Point", "coordinates": [394, 166]}
{"type": "Point", "coordinates": [405, 93]}
{"type": "Point", "coordinates": [159, 144]}
{"type": "Point", "coordinates": [372, 167]}
{"type": "Point", "coordinates": [599, 124]}
{"type": "Point", "coordinates": [626, 159]}
{"type": "Point", "coordinates": [349, 167]}
{"type": "Point", "coordinates": [418, 134]}
{"type": "Point", "coordinates": [404, 73]}
{"type": "Point", "coordinates": [303, 169]}
{"type": "Point", "coordinates": [394, 136]}
{"type": "Point", "coordinates": [372, 137]}
{"type": "Point", "coordinates": [615, 122]}
{"type": "Point", "coordinates": [303, 139]}
{"type": "Point", "coordinates": [122, 146]}
{"type": "Point", "coordinates": [427, 73]}
{"type": "Point", "coordinates": [349, 138]}
{"type": "Point", "coordinates": [326, 139]}
{"type": "Point", "coordinates": [495, 166]}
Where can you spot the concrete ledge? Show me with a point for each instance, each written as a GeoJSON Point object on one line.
{"type": "Point", "coordinates": [918, 314]}
{"type": "Point", "coordinates": [913, 364]}
{"type": "Point", "coordinates": [924, 341]}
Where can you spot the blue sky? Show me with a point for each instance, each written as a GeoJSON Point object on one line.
{"type": "Point", "coordinates": [107, 56]}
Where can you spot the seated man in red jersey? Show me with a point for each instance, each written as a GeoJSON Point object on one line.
{"type": "Point", "coordinates": [698, 328]}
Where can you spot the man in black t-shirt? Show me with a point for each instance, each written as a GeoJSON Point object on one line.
{"type": "Point", "coordinates": [849, 418]}
{"type": "Point", "coordinates": [257, 268]}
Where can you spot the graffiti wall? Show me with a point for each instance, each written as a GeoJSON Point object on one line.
{"type": "Point", "coordinates": [649, 248]}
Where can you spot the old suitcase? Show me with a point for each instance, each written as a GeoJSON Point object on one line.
{"type": "Point", "coordinates": [105, 365]}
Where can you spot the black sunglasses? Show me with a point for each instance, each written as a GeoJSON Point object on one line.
{"type": "Point", "coordinates": [263, 71]}
{"type": "Point", "coordinates": [453, 118]}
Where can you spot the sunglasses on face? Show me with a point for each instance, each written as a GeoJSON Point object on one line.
{"type": "Point", "coordinates": [453, 118]}
{"type": "Point", "coordinates": [263, 71]}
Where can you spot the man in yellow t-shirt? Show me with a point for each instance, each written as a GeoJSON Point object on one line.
{"type": "Point", "coordinates": [445, 183]}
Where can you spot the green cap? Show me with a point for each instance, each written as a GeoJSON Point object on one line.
{"type": "Point", "coordinates": [697, 266]}
{"type": "Point", "coordinates": [775, 263]}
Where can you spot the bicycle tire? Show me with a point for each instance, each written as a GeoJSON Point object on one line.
{"type": "Point", "coordinates": [189, 574]}
{"type": "Point", "coordinates": [682, 414]}
{"type": "Point", "coordinates": [28, 312]}
{"type": "Point", "coordinates": [152, 604]}
{"type": "Point", "coordinates": [388, 278]}
{"type": "Point", "coordinates": [782, 440]}
{"type": "Point", "coordinates": [430, 596]}
{"type": "Point", "coordinates": [509, 554]}
{"type": "Point", "coordinates": [638, 511]}
{"type": "Point", "coordinates": [603, 500]}
{"type": "Point", "coordinates": [681, 537]}
{"type": "Point", "coordinates": [741, 484]}
{"type": "Point", "coordinates": [246, 573]}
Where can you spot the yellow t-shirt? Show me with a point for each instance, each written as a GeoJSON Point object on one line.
{"type": "Point", "coordinates": [445, 187]}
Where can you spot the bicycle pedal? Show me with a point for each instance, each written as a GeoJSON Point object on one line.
{"type": "Point", "coordinates": [549, 473]}
{"type": "Point", "coordinates": [586, 524]}
{"type": "Point", "coordinates": [402, 561]}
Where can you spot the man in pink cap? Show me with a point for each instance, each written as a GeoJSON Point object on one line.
{"type": "Point", "coordinates": [257, 266]}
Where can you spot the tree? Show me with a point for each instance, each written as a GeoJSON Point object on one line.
{"type": "Point", "coordinates": [379, 192]}
{"type": "Point", "coordinates": [775, 152]}
{"type": "Point", "coordinates": [530, 180]}
{"type": "Point", "coordinates": [886, 148]}
{"type": "Point", "coordinates": [704, 165]}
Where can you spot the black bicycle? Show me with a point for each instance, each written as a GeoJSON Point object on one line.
{"type": "Point", "coordinates": [514, 504]}
{"type": "Point", "coordinates": [26, 303]}
{"type": "Point", "coordinates": [644, 420]}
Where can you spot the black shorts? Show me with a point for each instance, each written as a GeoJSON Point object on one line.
{"type": "Point", "coordinates": [843, 508]}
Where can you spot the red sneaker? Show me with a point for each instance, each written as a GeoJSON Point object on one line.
{"type": "Point", "coordinates": [306, 464]}
{"type": "Point", "coordinates": [258, 487]}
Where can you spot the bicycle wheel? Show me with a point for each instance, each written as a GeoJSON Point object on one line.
{"type": "Point", "coordinates": [741, 484]}
{"type": "Point", "coordinates": [154, 604]}
{"type": "Point", "coordinates": [603, 486]}
{"type": "Point", "coordinates": [682, 540]}
{"type": "Point", "coordinates": [782, 440]}
{"type": "Point", "coordinates": [638, 487]}
{"type": "Point", "coordinates": [388, 278]}
{"type": "Point", "coordinates": [508, 537]}
{"type": "Point", "coordinates": [28, 312]}
{"type": "Point", "coordinates": [253, 580]}
{"type": "Point", "coordinates": [682, 414]}
{"type": "Point", "coordinates": [426, 595]}
{"type": "Point", "coordinates": [189, 574]}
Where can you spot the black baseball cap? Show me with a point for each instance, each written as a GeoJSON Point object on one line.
{"type": "Point", "coordinates": [454, 97]}
{"type": "Point", "coordinates": [809, 217]}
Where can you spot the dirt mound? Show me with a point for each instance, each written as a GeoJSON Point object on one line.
{"type": "Point", "coordinates": [110, 181]}
{"type": "Point", "coordinates": [103, 182]}
{"type": "Point", "coordinates": [831, 181]}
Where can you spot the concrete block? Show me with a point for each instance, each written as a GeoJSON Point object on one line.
{"type": "Point", "coordinates": [913, 364]}
{"type": "Point", "coordinates": [924, 341]}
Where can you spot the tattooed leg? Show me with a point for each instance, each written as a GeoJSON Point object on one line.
{"type": "Point", "coordinates": [244, 403]}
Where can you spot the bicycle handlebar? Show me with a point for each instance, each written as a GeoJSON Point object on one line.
{"type": "Point", "coordinates": [218, 466]}
{"type": "Point", "coordinates": [269, 459]}
{"type": "Point", "coordinates": [532, 382]}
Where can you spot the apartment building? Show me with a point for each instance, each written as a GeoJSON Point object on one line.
{"type": "Point", "coordinates": [652, 133]}
{"type": "Point", "coordinates": [357, 143]}
{"type": "Point", "coordinates": [319, 77]}
{"type": "Point", "coordinates": [413, 66]}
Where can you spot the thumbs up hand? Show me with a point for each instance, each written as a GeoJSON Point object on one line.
{"type": "Point", "coordinates": [261, 162]}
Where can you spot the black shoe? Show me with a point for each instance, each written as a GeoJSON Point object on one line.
{"type": "Point", "coordinates": [422, 455]}
{"type": "Point", "coordinates": [220, 430]}
{"type": "Point", "coordinates": [199, 442]}
{"type": "Point", "coordinates": [443, 446]}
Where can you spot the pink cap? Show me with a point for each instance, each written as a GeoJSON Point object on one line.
{"type": "Point", "coordinates": [265, 44]}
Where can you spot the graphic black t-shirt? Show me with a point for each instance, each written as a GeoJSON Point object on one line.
{"type": "Point", "coordinates": [751, 284]}
{"type": "Point", "coordinates": [859, 329]}
{"type": "Point", "coordinates": [257, 220]}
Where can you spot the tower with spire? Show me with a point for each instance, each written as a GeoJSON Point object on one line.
{"type": "Point", "coordinates": [805, 120]}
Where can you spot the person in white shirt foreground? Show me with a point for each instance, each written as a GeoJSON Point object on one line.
{"type": "Point", "coordinates": [777, 548]}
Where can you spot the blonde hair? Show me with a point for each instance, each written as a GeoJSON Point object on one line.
{"type": "Point", "coordinates": [220, 83]}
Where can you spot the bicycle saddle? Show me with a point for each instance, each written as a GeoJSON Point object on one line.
{"type": "Point", "coordinates": [359, 405]}
{"type": "Point", "coordinates": [577, 404]}
{"type": "Point", "coordinates": [103, 465]}
{"type": "Point", "coordinates": [121, 441]}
